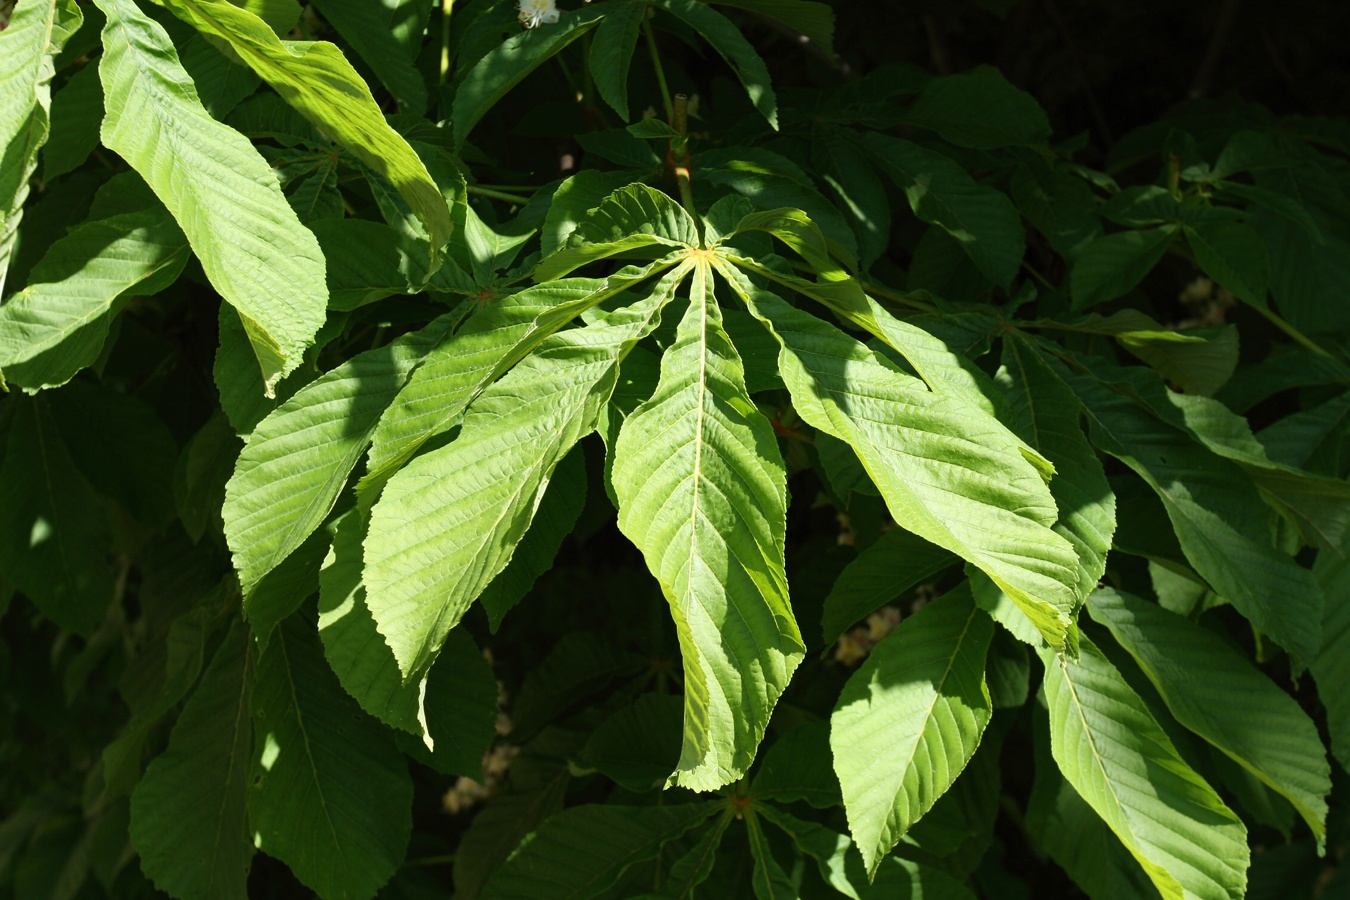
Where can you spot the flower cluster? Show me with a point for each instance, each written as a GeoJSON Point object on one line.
{"type": "Point", "coordinates": [854, 646]}
{"type": "Point", "coordinates": [537, 12]}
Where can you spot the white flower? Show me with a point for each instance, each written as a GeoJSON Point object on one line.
{"type": "Point", "coordinates": [534, 12]}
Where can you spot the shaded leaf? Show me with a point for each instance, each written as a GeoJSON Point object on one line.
{"type": "Point", "coordinates": [886, 570]}
{"type": "Point", "coordinates": [54, 533]}
{"type": "Point", "coordinates": [979, 109]}
{"type": "Point", "coordinates": [909, 720]}
{"type": "Point", "coordinates": [580, 852]}
{"type": "Point", "coordinates": [1217, 694]}
{"type": "Point", "coordinates": [329, 793]}
{"type": "Point", "coordinates": [189, 814]}
{"type": "Point", "coordinates": [940, 192]}
{"type": "Point", "coordinates": [728, 41]}
{"type": "Point", "coordinates": [58, 324]}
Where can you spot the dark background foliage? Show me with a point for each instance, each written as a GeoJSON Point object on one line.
{"type": "Point", "coordinates": [1100, 69]}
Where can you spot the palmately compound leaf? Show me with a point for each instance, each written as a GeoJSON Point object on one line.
{"type": "Point", "coordinates": [318, 81]}
{"type": "Point", "coordinates": [481, 351]}
{"type": "Point", "coordinates": [959, 481]}
{"type": "Point", "coordinates": [35, 34]}
{"type": "Point", "coordinates": [702, 492]}
{"type": "Point", "coordinates": [474, 498]}
{"type": "Point", "coordinates": [909, 720]}
{"type": "Point", "coordinates": [329, 793]}
{"type": "Point", "coordinates": [189, 814]}
{"type": "Point", "coordinates": [221, 191]}
{"type": "Point", "coordinates": [1226, 700]}
{"type": "Point", "coordinates": [57, 325]}
{"type": "Point", "coordinates": [1114, 753]}
{"type": "Point", "coordinates": [581, 852]}
{"type": "Point", "coordinates": [299, 457]}
{"type": "Point", "coordinates": [1046, 412]}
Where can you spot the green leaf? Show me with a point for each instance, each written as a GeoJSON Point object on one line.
{"type": "Point", "coordinates": [1306, 275]}
{"type": "Point", "coordinates": [1331, 666]}
{"type": "Point", "coordinates": [506, 65]}
{"type": "Point", "coordinates": [1294, 439]}
{"type": "Point", "coordinates": [815, 20]}
{"type": "Point", "coordinates": [980, 109]}
{"type": "Point", "coordinates": [460, 709]}
{"type": "Point", "coordinates": [581, 852]}
{"type": "Point", "coordinates": [1232, 253]}
{"type": "Point", "coordinates": [456, 372]}
{"type": "Point", "coordinates": [199, 479]}
{"type": "Point", "coordinates": [631, 218]}
{"type": "Point", "coordinates": [728, 41]}
{"type": "Point", "coordinates": [651, 128]}
{"type": "Point", "coordinates": [252, 246]}
{"type": "Point", "coordinates": [35, 34]}
{"type": "Point", "coordinates": [318, 81]}
{"type": "Point", "coordinates": [475, 497]}
{"type": "Point", "coordinates": [1112, 265]}
{"type": "Point", "coordinates": [299, 457]}
{"type": "Point", "coordinates": [1057, 203]}
{"type": "Point", "coordinates": [889, 568]}
{"type": "Point", "coordinates": [1046, 414]}
{"type": "Point", "coordinates": [774, 183]}
{"type": "Point", "coordinates": [77, 111]}
{"type": "Point", "coordinates": [940, 192]}
{"type": "Point", "coordinates": [639, 745]}
{"type": "Point", "coordinates": [798, 766]}
{"type": "Point", "coordinates": [557, 513]}
{"type": "Point", "coordinates": [989, 505]}
{"type": "Point", "coordinates": [1199, 367]}
{"type": "Point", "coordinates": [1116, 756]}
{"type": "Point", "coordinates": [368, 261]}
{"type": "Point", "coordinates": [1318, 505]}
{"type": "Point", "coordinates": [702, 492]}
{"type": "Point", "coordinates": [329, 793]}
{"type": "Point", "coordinates": [221, 83]}
{"type": "Point", "coordinates": [1065, 828]}
{"type": "Point", "coordinates": [388, 37]}
{"type": "Point", "coordinates": [182, 656]}
{"type": "Point", "coordinates": [612, 52]}
{"type": "Point", "coordinates": [280, 592]}
{"type": "Point", "coordinates": [1217, 694]}
{"type": "Point", "coordinates": [58, 324]}
{"type": "Point", "coordinates": [189, 813]}
{"type": "Point", "coordinates": [768, 879]}
{"type": "Point", "coordinates": [909, 720]}
{"type": "Point", "coordinates": [453, 710]}
{"type": "Point", "coordinates": [54, 533]}
{"type": "Point", "coordinates": [1222, 524]}
{"type": "Point", "coordinates": [572, 199]}
{"type": "Point", "coordinates": [843, 166]}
